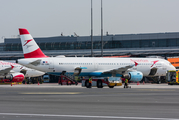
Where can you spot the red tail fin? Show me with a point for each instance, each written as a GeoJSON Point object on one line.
{"type": "Point", "coordinates": [29, 46]}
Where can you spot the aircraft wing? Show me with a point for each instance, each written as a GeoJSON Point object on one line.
{"type": "Point", "coordinates": [120, 70]}
{"type": "Point", "coordinates": [6, 71]}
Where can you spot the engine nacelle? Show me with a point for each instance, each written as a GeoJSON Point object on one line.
{"type": "Point", "coordinates": [134, 76]}
{"type": "Point", "coordinates": [15, 77]}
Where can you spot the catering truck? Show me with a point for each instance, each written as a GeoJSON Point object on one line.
{"type": "Point", "coordinates": [172, 77]}
{"type": "Point", "coordinates": [100, 82]}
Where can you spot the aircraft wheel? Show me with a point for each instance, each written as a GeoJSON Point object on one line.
{"type": "Point", "coordinates": [159, 82]}
{"type": "Point", "coordinates": [111, 86]}
{"type": "Point", "coordinates": [99, 84]}
{"type": "Point", "coordinates": [87, 84]}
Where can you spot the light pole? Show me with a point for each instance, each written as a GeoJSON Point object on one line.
{"type": "Point", "coordinates": [91, 30]}
{"type": "Point", "coordinates": [101, 30]}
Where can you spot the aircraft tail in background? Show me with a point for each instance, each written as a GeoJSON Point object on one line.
{"type": "Point", "coordinates": [29, 46]}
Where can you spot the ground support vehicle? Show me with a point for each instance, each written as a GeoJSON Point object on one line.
{"type": "Point", "coordinates": [46, 78]}
{"type": "Point", "coordinates": [172, 77]}
{"type": "Point", "coordinates": [7, 81]}
{"type": "Point", "coordinates": [66, 80]}
{"type": "Point", "coordinates": [101, 82]}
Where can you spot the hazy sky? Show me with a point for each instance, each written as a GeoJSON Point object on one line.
{"type": "Point", "coordinates": [45, 18]}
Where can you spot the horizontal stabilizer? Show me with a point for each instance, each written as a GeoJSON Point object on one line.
{"type": "Point", "coordinates": [35, 63]}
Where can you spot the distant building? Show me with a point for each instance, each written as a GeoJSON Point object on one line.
{"type": "Point", "coordinates": [160, 44]}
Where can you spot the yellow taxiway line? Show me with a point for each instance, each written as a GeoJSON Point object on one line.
{"type": "Point", "coordinates": [48, 93]}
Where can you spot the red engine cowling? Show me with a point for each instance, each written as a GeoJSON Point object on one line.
{"type": "Point", "coordinates": [15, 77]}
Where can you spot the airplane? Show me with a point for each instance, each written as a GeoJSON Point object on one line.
{"type": "Point", "coordinates": [131, 68]}
{"type": "Point", "coordinates": [15, 72]}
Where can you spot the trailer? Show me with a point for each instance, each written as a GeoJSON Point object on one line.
{"type": "Point", "coordinates": [101, 82]}
{"type": "Point", "coordinates": [172, 77]}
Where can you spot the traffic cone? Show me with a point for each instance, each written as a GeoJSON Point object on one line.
{"type": "Point", "coordinates": [138, 83]}
{"type": "Point", "coordinates": [38, 83]}
{"type": "Point", "coordinates": [11, 84]}
{"type": "Point", "coordinates": [143, 82]}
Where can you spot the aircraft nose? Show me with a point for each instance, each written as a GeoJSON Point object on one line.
{"type": "Point", "coordinates": [172, 68]}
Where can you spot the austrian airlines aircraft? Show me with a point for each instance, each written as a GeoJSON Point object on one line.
{"type": "Point", "coordinates": [132, 68]}
{"type": "Point", "coordinates": [15, 72]}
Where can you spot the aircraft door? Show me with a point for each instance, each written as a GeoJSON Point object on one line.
{"type": "Point", "coordinates": [163, 69]}
{"type": "Point", "coordinates": [51, 65]}
{"type": "Point", "coordinates": [96, 65]}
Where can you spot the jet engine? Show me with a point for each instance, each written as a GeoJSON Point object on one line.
{"type": "Point", "coordinates": [15, 77]}
{"type": "Point", "coordinates": [134, 76]}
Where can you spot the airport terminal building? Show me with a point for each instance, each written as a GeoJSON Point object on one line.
{"type": "Point", "coordinates": [148, 44]}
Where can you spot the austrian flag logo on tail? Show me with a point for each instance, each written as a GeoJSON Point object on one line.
{"type": "Point", "coordinates": [27, 41]}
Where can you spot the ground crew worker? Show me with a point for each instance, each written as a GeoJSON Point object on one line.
{"type": "Point", "coordinates": [126, 83]}
{"type": "Point", "coordinates": [90, 82]}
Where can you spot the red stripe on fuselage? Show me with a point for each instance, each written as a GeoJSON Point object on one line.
{"type": "Point", "coordinates": [23, 31]}
{"type": "Point", "coordinates": [35, 54]}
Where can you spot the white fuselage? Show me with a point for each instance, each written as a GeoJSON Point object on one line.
{"type": "Point", "coordinates": [97, 66]}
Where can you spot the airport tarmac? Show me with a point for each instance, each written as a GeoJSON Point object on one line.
{"type": "Point", "coordinates": [55, 85]}
{"type": "Point", "coordinates": [53, 101]}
